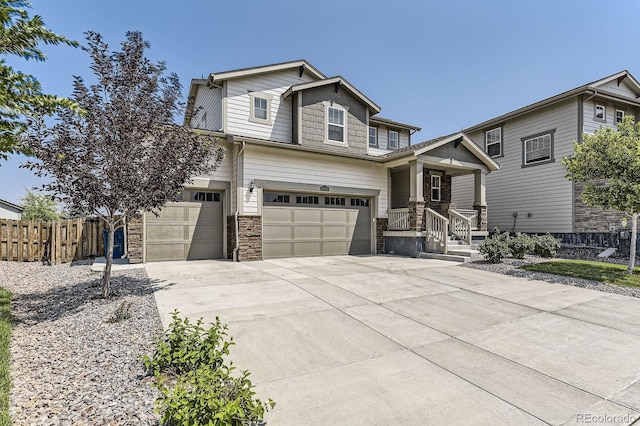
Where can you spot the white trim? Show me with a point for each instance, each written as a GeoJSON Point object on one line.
{"type": "Point", "coordinates": [397, 144]}
{"type": "Point", "coordinates": [432, 187]}
{"type": "Point", "coordinates": [542, 140]}
{"type": "Point", "coordinates": [369, 136]}
{"type": "Point", "coordinates": [466, 142]}
{"type": "Point", "coordinates": [499, 142]}
{"type": "Point", "coordinates": [225, 75]}
{"type": "Point", "coordinates": [597, 106]}
{"type": "Point", "coordinates": [450, 162]}
{"type": "Point", "coordinates": [616, 115]}
{"type": "Point", "coordinates": [252, 109]}
{"type": "Point", "coordinates": [345, 114]}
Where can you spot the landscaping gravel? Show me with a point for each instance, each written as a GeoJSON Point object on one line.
{"type": "Point", "coordinates": [69, 363]}
{"type": "Point", "coordinates": [511, 267]}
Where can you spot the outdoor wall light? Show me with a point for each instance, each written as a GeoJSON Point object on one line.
{"type": "Point", "coordinates": [252, 185]}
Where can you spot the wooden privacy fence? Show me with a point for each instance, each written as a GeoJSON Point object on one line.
{"type": "Point", "coordinates": [58, 242]}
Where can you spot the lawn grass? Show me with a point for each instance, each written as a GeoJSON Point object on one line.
{"type": "Point", "coordinates": [5, 335]}
{"type": "Point", "coordinates": [596, 271]}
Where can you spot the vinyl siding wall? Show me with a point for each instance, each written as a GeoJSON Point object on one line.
{"type": "Point", "coordinates": [541, 190]}
{"type": "Point", "coordinates": [239, 105]}
{"type": "Point", "coordinates": [383, 139]}
{"type": "Point", "coordinates": [591, 124]}
{"type": "Point", "coordinates": [316, 169]}
{"type": "Point", "coordinates": [221, 174]}
{"type": "Point", "coordinates": [209, 100]}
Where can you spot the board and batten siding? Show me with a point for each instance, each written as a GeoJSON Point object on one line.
{"type": "Point", "coordinates": [540, 194]}
{"type": "Point", "coordinates": [262, 163]}
{"type": "Point", "coordinates": [238, 104]}
{"type": "Point", "coordinates": [209, 101]}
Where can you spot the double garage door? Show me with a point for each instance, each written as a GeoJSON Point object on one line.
{"type": "Point", "coordinates": [315, 225]}
{"type": "Point", "coordinates": [187, 230]}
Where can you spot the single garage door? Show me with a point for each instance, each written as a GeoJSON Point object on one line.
{"type": "Point", "coordinates": [186, 230]}
{"type": "Point", "coordinates": [315, 225]}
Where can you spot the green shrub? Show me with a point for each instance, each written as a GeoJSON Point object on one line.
{"type": "Point", "coordinates": [210, 396]}
{"type": "Point", "coordinates": [546, 245]}
{"type": "Point", "coordinates": [520, 245]}
{"type": "Point", "coordinates": [186, 346]}
{"type": "Point", "coordinates": [496, 247]}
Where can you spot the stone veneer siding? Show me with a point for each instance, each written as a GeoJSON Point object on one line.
{"type": "Point", "coordinates": [250, 233]}
{"type": "Point", "coordinates": [381, 226]}
{"type": "Point", "coordinates": [445, 203]}
{"type": "Point", "coordinates": [416, 216]}
{"type": "Point", "coordinates": [591, 219]}
{"type": "Point", "coordinates": [231, 236]}
{"type": "Point", "coordinates": [134, 240]}
{"type": "Point", "coordinates": [482, 217]}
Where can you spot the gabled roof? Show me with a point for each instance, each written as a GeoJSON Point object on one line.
{"type": "Point", "coordinates": [244, 72]}
{"type": "Point", "coordinates": [589, 88]}
{"type": "Point", "coordinates": [11, 205]}
{"type": "Point", "coordinates": [339, 82]}
{"type": "Point", "coordinates": [426, 146]}
{"type": "Point", "coordinates": [388, 122]}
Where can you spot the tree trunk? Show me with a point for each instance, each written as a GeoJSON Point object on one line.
{"type": "Point", "coordinates": [106, 278]}
{"type": "Point", "coordinates": [632, 246]}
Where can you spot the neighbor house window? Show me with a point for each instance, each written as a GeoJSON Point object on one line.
{"type": "Point", "coordinates": [538, 148]}
{"type": "Point", "coordinates": [205, 196]}
{"type": "Point", "coordinates": [493, 142]}
{"type": "Point", "coordinates": [373, 136]}
{"type": "Point", "coordinates": [393, 139]}
{"type": "Point", "coordinates": [600, 113]}
{"type": "Point", "coordinates": [260, 108]}
{"type": "Point", "coordinates": [335, 124]}
{"type": "Point", "coordinates": [435, 187]}
{"type": "Point", "coordinates": [619, 115]}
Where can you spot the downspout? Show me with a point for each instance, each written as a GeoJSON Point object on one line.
{"type": "Point", "coordinates": [236, 219]}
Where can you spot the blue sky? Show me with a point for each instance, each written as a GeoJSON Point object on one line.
{"type": "Point", "coordinates": [441, 65]}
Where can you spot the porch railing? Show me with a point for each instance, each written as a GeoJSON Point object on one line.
{"type": "Point", "coordinates": [398, 220]}
{"type": "Point", "coordinates": [471, 214]}
{"type": "Point", "coordinates": [460, 226]}
{"type": "Point", "coordinates": [437, 228]}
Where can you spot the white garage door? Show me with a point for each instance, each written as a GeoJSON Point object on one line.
{"type": "Point", "coordinates": [315, 225]}
{"type": "Point", "coordinates": [187, 230]}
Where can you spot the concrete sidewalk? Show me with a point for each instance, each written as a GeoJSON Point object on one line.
{"type": "Point", "coordinates": [389, 340]}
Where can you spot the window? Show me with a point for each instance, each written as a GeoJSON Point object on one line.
{"type": "Point", "coordinates": [270, 197]}
{"type": "Point", "coordinates": [360, 202]}
{"type": "Point", "coordinates": [538, 148]}
{"type": "Point", "coordinates": [393, 139]}
{"type": "Point", "coordinates": [493, 142]}
{"type": "Point", "coordinates": [600, 113]}
{"type": "Point", "coordinates": [619, 115]}
{"type": "Point", "coordinates": [435, 188]}
{"type": "Point", "coordinates": [260, 108]}
{"type": "Point", "coordinates": [307, 199]}
{"type": "Point", "coordinates": [335, 124]}
{"type": "Point", "coordinates": [334, 201]}
{"type": "Point", "coordinates": [205, 196]}
{"type": "Point", "coordinates": [373, 136]}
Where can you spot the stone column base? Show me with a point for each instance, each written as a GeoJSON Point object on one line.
{"type": "Point", "coordinates": [482, 217]}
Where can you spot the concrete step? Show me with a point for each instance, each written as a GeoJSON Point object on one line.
{"type": "Point", "coordinates": [440, 256]}
{"type": "Point", "coordinates": [468, 252]}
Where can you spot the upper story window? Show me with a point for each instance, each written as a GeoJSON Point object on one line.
{"type": "Point", "coordinates": [619, 115]}
{"type": "Point", "coordinates": [393, 139]}
{"type": "Point", "coordinates": [335, 124]}
{"type": "Point", "coordinates": [373, 136]}
{"type": "Point", "coordinates": [538, 149]}
{"type": "Point", "coordinates": [435, 187]}
{"type": "Point", "coordinates": [493, 142]}
{"type": "Point", "coordinates": [260, 108]}
{"type": "Point", "coordinates": [600, 113]}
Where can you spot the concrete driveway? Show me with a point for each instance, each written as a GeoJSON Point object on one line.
{"type": "Point", "coordinates": [387, 340]}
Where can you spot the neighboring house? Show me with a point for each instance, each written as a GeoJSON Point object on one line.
{"type": "Point", "coordinates": [530, 192]}
{"type": "Point", "coordinates": [9, 210]}
{"type": "Point", "coordinates": [311, 169]}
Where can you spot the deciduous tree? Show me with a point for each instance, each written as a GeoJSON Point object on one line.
{"type": "Point", "coordinates": [39, 207]}
{"type": "Point", "coordinates": [126, 155]}
{"type": "Point", "coordinates": [608, 161]}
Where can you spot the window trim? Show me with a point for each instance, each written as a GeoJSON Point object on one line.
{"type": "Point", "coordinates": [376, 137]}
{"type": "Point", "coordinates": [604, 113]}
{"type": "Point", "coordinates": [438, 187]}
{"type": "Point", "coordinates": [624, 113]}
{"type": "Point", "coordinates": [389, 139]}
{"type": "Point", "coordinates": [499, 143]}
{"type": "Point", "coordinates": [345, 113]}
{"type": "Point", "coordinates": [551, 159]}
{"type": "Point", "coordinates": [252, 117]}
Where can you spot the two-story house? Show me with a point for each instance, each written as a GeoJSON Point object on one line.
{"type": "Point", "coordinates": [530, 192]}
{"type": "Point", "coordinates": [311, 169]}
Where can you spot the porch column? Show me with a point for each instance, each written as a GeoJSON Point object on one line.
{"type": "Point", "coordinates": [416, 196]}
{"type": "Point", "coordinates": [479, 199]}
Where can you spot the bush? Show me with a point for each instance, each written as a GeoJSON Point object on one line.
{"type": "Point", "coordinates": [546, 245]}
{"type": "Point", "coordinates": [203, 389]}
{"type": "Point", "coordinates": [520, 245]}
{"type": "Point", "coordinates": [210, 396]}
{"type": "Point", "coordinates": [496, 247]}
{"type": "Point", "coordinates": [122, 313]}
{"type": "Point", "coordinates": [186, 346]}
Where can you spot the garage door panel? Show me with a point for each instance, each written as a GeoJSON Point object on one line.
{"type": "Point", "coordinates": [307, 248]}
{"type": "Point", "coordinates": [165, 232]}
{"type": "Point", "coordinates": [307, 232]}
{"type": "Point", "coordinates": [278, 249]}
{"type": "Point", "coordinates": [335, 247]}
{"type": "Point", "coordinates": [277, 215]}
{"type": "Point", "coordinates": [166, 251]}
{"type": "Point", "coordinates": [335, 216]}
{"type": "Point", "coordinates": [307, 215]}
{"type": "Point", "coordinates": [202, 233]}
{"type": "Point", "coordinates": [277, 232]}
{"type": "Point", "coordinates": [201, 251]}
{"type": "Point", "coordinates": [359, 247]}
{"type": "Point", "coordinates": [168, 213]}
{"type": "Point", "coordinates": [337, 232]}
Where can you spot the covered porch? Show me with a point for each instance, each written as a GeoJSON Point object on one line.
{"type": "Point", "coordinates": [422, 218]}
